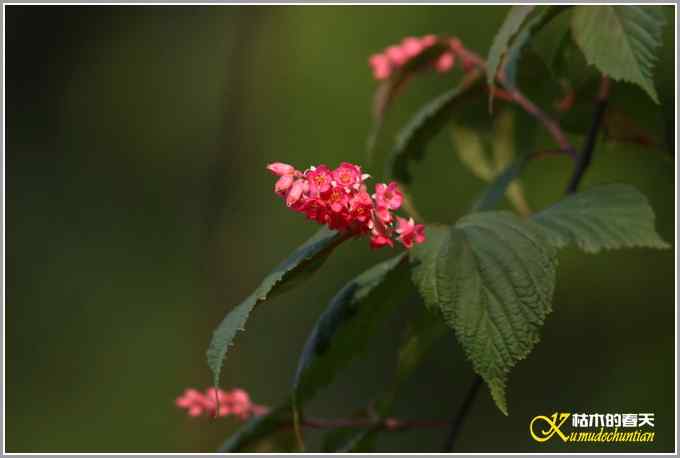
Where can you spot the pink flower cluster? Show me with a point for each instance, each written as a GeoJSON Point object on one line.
{"type": "Point", "coordinates": [339, 199]}
{"type": "Point", "coordinates": [217, 403]}
{"type": "Point", "coordinates": [396, 56]}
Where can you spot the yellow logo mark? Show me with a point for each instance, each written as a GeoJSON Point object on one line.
{"type": "Point", "coordinates": [553, 423]}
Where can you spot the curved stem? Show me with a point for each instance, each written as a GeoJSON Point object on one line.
{"type": "Point", "coordinates": [457, 421]}
{"type": "Point", "coordinates": [552, 126]}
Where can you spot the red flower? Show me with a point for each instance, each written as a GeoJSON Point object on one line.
{"type": "Point", "coordinates": [218, 403]}
{"type": "Point", "coordinates": [340, 200]}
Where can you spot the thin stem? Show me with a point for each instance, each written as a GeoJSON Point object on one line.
{"type": "Point", "coordinates": [586, 156]}
{"type": "Point", "coordinates": [469, 58]}
{"type": "Point", "coordinates": [550, 124]}
{"type": "Point", "coordinates": [387, 424]}
{"type": "Point", "coordinates": [547, 152]}
{"type": "Point", "coordinates": [457, 422]}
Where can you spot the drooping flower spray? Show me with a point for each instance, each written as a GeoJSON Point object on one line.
{"type": "Point", "coordinates": [340, 199]}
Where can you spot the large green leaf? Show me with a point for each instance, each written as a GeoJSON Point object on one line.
{"type": "Point", "coordinates": [621, 41]}
{"type": "Point", "coordinates": [602, 217]}
{"type": "Point", "coordinates": [513, 21]}
{"type": "Point", "coordinates": [492, 276]}
{"type": "Point", "coordinates": [299, 265]}
{"type": "Point", "coordinates": [353, 316]}
{"type": "Point", "coordinates": [424, 125]}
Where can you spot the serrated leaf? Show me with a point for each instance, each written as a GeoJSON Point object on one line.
{"type": "Point", "coordinates": [298, 266]}
{"type": "Point", "coordinates": [512, 23]}
{"type": "Point", "coordinates": [351, 319]}
{"type": "Point", "coordinates": [492, 276]}
{"type": "Point", "coordinates": [620, 41]}
{"type": "Point", "coordinates": [424, 125]}
{"type": "Point", "coordinates": [256, 429]}
{"type": "Point", "coordinates": [602, 217]}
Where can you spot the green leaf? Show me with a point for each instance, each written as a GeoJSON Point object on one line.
{"type": "Point", "coordinates": [389, 89]}
{"type": "Point", "coordinates": [513, 21]}
{"type": "Point", "coordinates": [492, 274]}
{"type": "Point", "coordinates": [423, 332]}
{"type": "Point", "coordinates": [502, 185]}
{"type": "Point", "coordinates": [256, 429]}
{"type": "Point", "coordinates": [424, 270]}
{"type": "Point", "coordinates": [530, 28]}
{"type": "Point", "coordinates": [602, 217]}
{"type": "Point", "coordinates": [492, 277]}
{"type": "Point", "coordinates": [353, 316]}
{"type": "Point", "coordinates": [343, 331]}
{"type": "Point", "coordinates": [620, 41]}
{"type": "Point", "coordinates": [470, 149]}
{"type": "Point", "coordinates": [299, 265]}
{"type": "Point", "coordinates": [502, 170]}
{"type": "Point", "coordinates": [424, 125]}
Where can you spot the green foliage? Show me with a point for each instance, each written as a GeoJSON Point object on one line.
{"type": "Point", "coordinates": [351, 319]}
{"type": "Point", "coordinates": [600, 218]}
{"type": "Point", "coordinates": [388, 90]}
{"type": "Point", "coordinates": [513, 21]}
{"type": "Point", "coordinates": [530, 28]}
{"type": "Point", "coordinates": [491, 276]}
{"type": "Point", "coordinates": [502, 168]}
{"type": "Point", "coordinates": [423, 126]}
{"type": "Point", "coordinates": [621, 41]}
{"type": "Point", "coordinates": [298, 266]}
{"type": "Point", "coordinates": [501, 185]}
{"type": "Point", "coordinates": [256, 429]}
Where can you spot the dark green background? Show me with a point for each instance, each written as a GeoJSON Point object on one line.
{"type": "Point", "coordinates": [139, 211]}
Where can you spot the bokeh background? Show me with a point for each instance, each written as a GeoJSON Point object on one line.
{"type": "Point", "coordinates": [139, 212]}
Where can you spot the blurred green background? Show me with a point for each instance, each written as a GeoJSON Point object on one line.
{"type": "Point", "coordinates": [139, 212]}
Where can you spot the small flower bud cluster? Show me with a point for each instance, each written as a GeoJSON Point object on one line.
{"type": "Point", "coordinates": [396, 56]}
{"type": "Point", "coordinates": [217, 403]}
{"type": "Point", "coordinates": [339, 199]}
